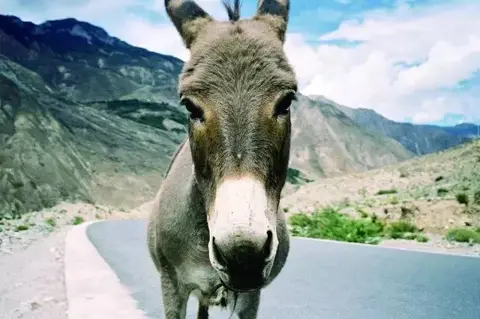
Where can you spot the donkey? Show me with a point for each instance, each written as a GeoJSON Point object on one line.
{"type": "Point", "coordinates": [215, 231]}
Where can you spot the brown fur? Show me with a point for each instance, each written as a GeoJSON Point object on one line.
{"type": "Point", "coordinates": [235, 80]}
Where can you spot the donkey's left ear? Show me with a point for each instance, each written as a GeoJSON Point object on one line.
{"type": "Point", "coordinates": [189, 19]}
{"type": "Point", "coordinates": [275, 14]}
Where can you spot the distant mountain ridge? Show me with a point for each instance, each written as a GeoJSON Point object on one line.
{"type": "Point", "coordinates": [418, 139]}
{"type": "Point", "coordinates": [326, 142]}
{"type": "Point", "coordinates": [84, 63]}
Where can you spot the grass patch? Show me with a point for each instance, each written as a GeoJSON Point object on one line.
{"type": "Point", "coordinates": [50, 221]}
{"type": "Point", "coordinates": [21, 228]}
{"type": "Point", "coordinates": [330, 224]}
{"type": "Point", "coordinates": [464, 235]}
{"type": "Point", "coordinates": [387, 191]}
{"type": "Point", "coordinates": [77, 220]}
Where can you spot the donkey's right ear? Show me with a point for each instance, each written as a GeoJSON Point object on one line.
{"type": "Point", "coordinates": [275, 14]}
{"type": "Point", "coordinates": [189, 19]}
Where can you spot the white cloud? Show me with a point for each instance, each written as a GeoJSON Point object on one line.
{"type": "Point", "coordinates": [162, 38]}
{"type": "Point", "coordinates": [442, 42]}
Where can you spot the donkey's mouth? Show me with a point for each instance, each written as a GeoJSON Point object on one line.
{"type": "Point", "coordinates": [242, 281]}
{"type": "Point", "coordinates": [244, 285]}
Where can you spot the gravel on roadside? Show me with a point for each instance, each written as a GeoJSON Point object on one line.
{"type": "Point", "coordinates": [32, 278]}
{"type": "Point", "coordinates": [32, 284]}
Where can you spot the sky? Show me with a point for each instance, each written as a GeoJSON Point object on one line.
{"type": "Point", "coordinates": [409, 60]}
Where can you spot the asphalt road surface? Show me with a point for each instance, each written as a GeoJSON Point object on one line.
{"type": "Point", "coordinates": [324, 280]}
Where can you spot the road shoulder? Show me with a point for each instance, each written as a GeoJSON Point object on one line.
{"type": "Point", "coordinates": [93, 290]}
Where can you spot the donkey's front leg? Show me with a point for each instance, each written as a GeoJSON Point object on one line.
{"type": "Point", "coordinates": [202, 312]}
{"type": "Point", "coordinates": [247, 305]}
{"type": "Point", "coordinates": [174, 295]}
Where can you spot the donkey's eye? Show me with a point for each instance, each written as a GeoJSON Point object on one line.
{"type": "Point", "coordinates": [196, 112]}
{"type": "Point", "coordinates": [283, 106]}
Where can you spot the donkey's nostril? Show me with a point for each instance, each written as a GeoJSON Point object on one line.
{"type": "Point", "coordinates": [267, 247]}
{"type": "Point", "coordinates": [252, 252]}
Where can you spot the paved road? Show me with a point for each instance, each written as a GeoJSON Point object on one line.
{"type": "Point", "coordinates": [321, 280]}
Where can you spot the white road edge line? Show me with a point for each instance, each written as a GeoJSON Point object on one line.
{"type": "Point", "coordinates": [415, 250]}
{"type": "Point", "coordinates": [93, 289]}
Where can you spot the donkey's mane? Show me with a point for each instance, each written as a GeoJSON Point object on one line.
{"type": "Point", "coordinates": [233, 9]}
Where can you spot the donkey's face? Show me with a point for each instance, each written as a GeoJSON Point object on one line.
{"type": "Point", "coordinates": [238, 87]}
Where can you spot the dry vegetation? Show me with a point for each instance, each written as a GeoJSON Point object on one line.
{"type": "Point", "coordinates": [437, 194]}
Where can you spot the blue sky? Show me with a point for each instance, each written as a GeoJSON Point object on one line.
{"type": "Point", "coordinates": [410, 60]}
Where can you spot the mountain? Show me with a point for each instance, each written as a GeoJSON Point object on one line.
{"type": "Point", "coordinates": [465, 129]}
{"type": "Point", "coordinates": [84, 63]}
{"type": "Point", "coordinates": [87, 116]}
{"type": "Point", "coordinates": [55, 149]}
{"type": "Point", "coordinates": [326, 142]}
{"type": "Point", "coordinates": [418, 139]}
{"type": "Point", "coordinates": [436, 192]}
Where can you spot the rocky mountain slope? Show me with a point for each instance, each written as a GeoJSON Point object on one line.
{"type": "Point", "coordinates": [87, 115]}
{"type": "Point", "coordinates": [326, 142]}
{"type": "Point", "coordinates": [52, 148]}
{"type": "Point", "coordinates": [418, 139]}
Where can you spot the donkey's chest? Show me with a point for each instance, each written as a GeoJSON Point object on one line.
{"type": "Point", "coordinates": [198, 275]}
{"type": "Point", "coordinates": [203, 281]}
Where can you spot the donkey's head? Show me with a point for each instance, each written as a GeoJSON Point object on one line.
{"type": "Point", "coordinates": [238, 87]}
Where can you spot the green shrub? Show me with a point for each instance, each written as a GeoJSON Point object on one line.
{"type": "Point", "coordinates": [21, 228]}
{"type": "Point", "coordinates": [405, 211]}
{"type": "Point", "coordinates": [362, 213]}
{"type": "Point", "coordinates": [387, 191]}
{"type": "Point", "coordinates": [77, 220]}
{"type": "Point", "coordinates": [394, 200]}
{"type": "Point", "coordinates": [400, 229]}
{"type": "Point", "coordinates": [422, 238]}
{"type": "Point", "coordinates": [50, 221]}
{"type": "Point", "coordinates": [438, 179]}
{"type": "Point", "coordinates": [462, 198]}
{"type": "Point", "coordinates": [463, 235]}
{"type": "Point", "coordinates": [442, 191]}
{"type": "Point", "coordinates": [476, 198]}
{"type": "Point", "coordinates": [330, 224]}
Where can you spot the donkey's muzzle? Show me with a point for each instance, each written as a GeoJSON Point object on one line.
{"type": "Point", "coordinates": [244, 265]}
